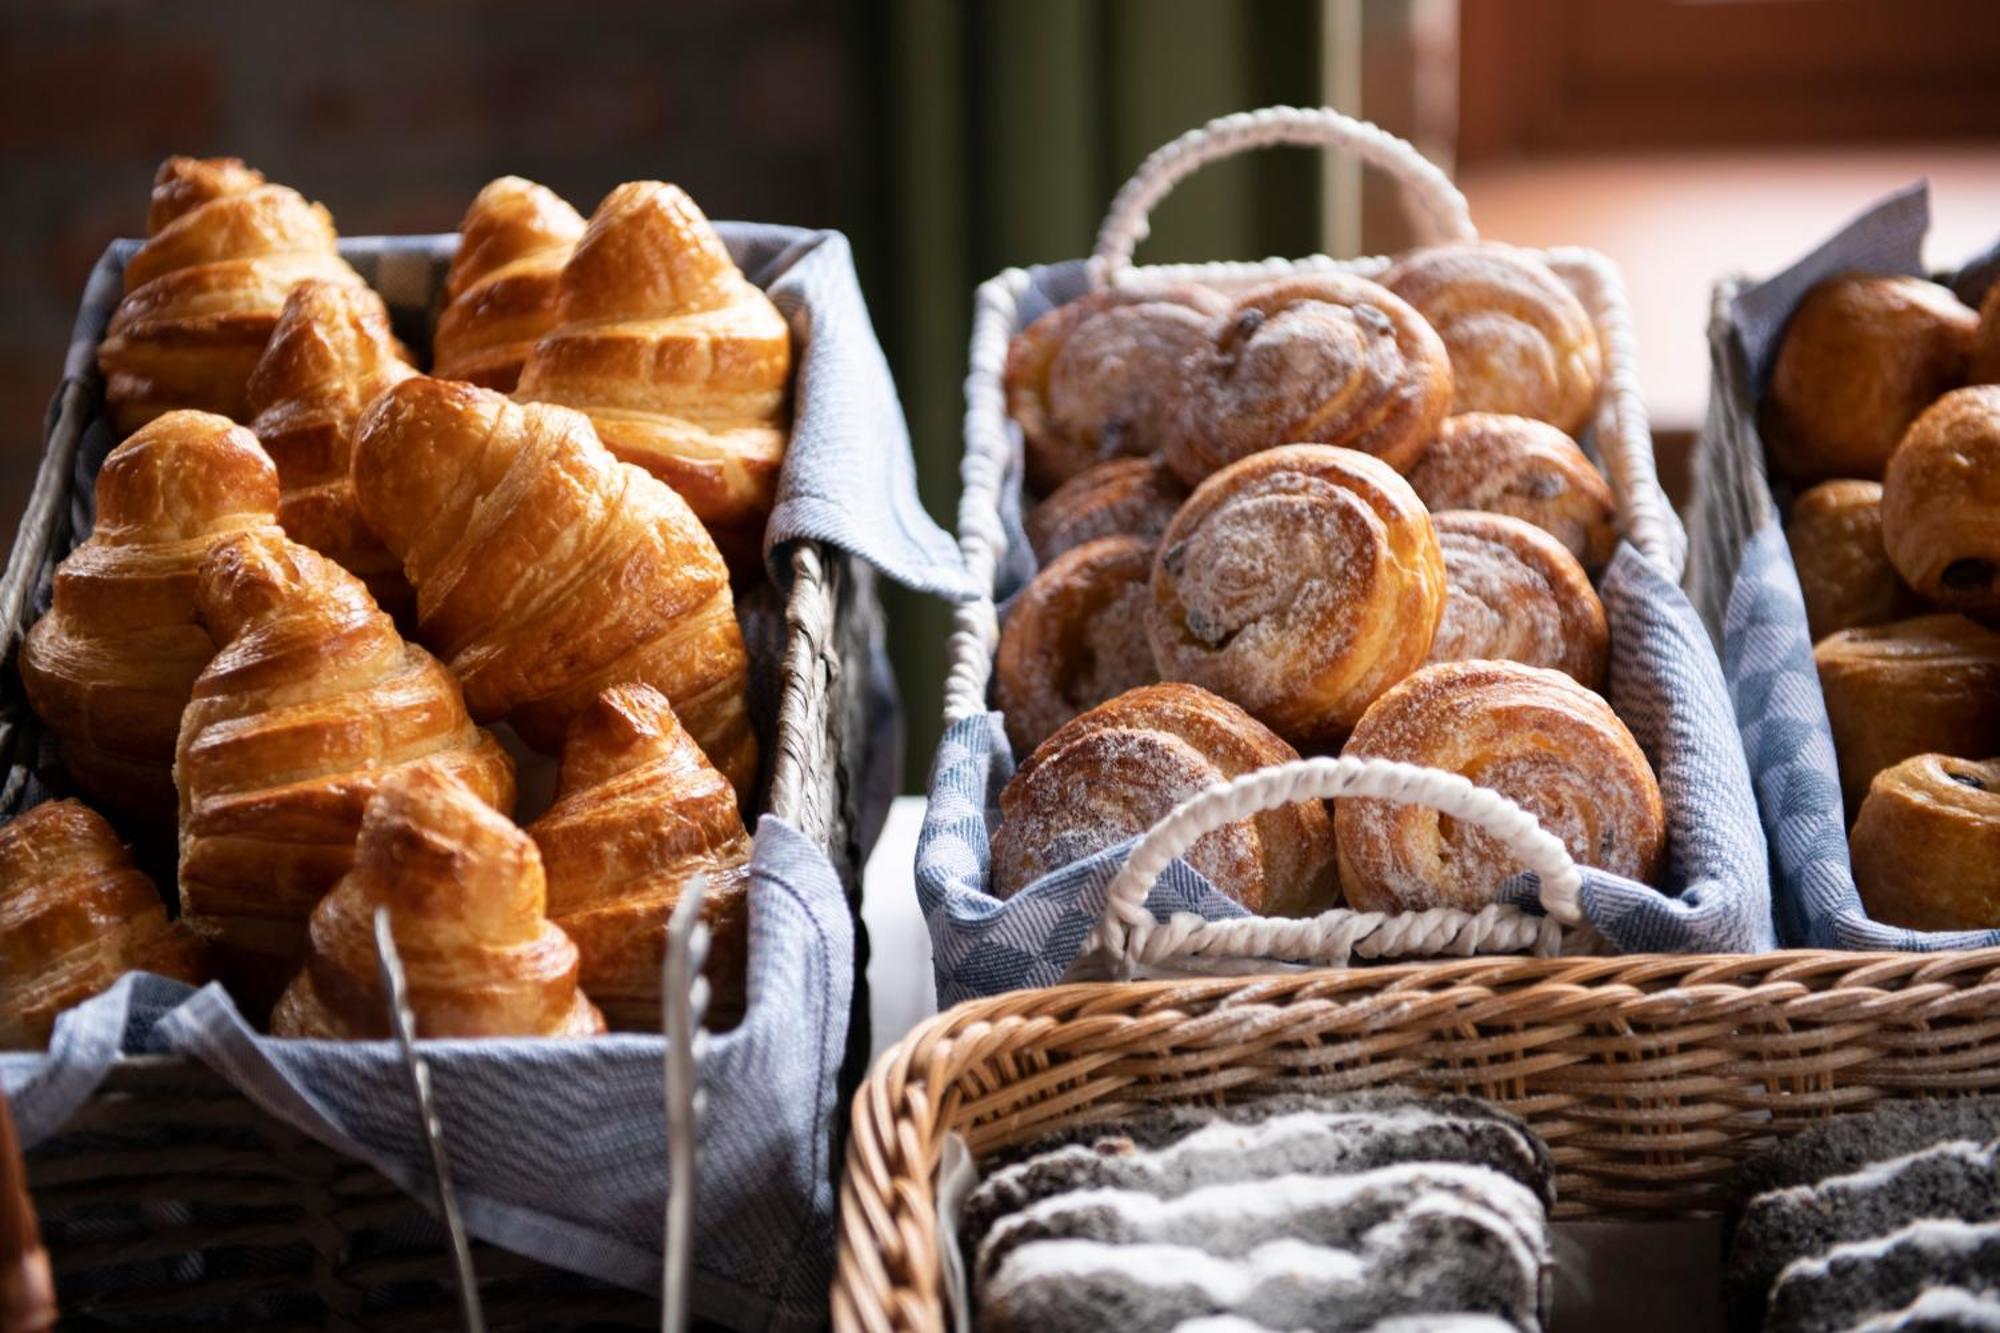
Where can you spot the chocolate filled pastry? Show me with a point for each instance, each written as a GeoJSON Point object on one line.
{"type": "Point", "coordinates": [1862, 355]}
{"type": "Point", "coordinates": [1328, 359]}
{"type": "Point", "coordinates": [1533, 735]}
{"type": "Point", "coordinates": [1835, 534]}
{"type": "Point", "coordinates": [1299, 583]}
{"type": "Point", "coordinates": [1520, 341]}
{"type": "Point", "coordinates": [1941, 502]}
{"type": "Point", "coordinates": [1927, 685]}
{"type": "Point", "coordinates": [1118, 769]}
{"type": "Point", "coordinates": [1525, 469]}
{"type": "Point", "coordinates": [1097, 378]}
{"type": "Point", "coordinates": [500, 295]}
{"type": "Point", "coordinates": [1513, 593]}
{"type": "Point", "coordinates": [1076, 638]}
{"type": "Point", "coordinates": [1126, 497]}
{"type": "Point", "coordinates": [1926, 846]}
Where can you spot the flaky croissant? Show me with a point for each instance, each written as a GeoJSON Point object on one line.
{"type": "Point", "coordinates": [75, 915]}
{"type": "Point", "coordinates": [500, 295]}
{"type": "Point", "coordinates": [640, 812]}
{"type": "Point", "coordinates": [110, 667]}
{"type": "Point", "coordinates": [312, 699]}
{"type": "Point", "coordinates": [465, 896]}
{"type": "Point", "coordinates": [203, 294]}
{"type": "Point", "coordinates": [681, 362]}
{"type": "Point", "coordinates": [331, 355]}
{"type": "Point", "coordinates": [547, 570]}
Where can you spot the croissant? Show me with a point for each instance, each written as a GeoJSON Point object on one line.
{"type": "Point", "coordinates": [75, 915]}
{"type": "Point", "coordinates": [680, 361]}
{"type": "Point", "coordinates": [203, 294]}
{"type": "Point", "coordinates": [639, 812]}
{"type": "Point", "coordinates": [546, 569]}
{"type": "Point", "coordinates": [500, 295]}
{"type": "Point", "coordinates": [110, 667]}
{"type": "Point", "coordinates": [1941, 502]}
{"type": "Point", "coordinates": [1927, 844]}
{"type": "Point", "coordinates": [312, 699]}
{"type": "Point", "coordinates": [465, 896]}
{"type": "Point", "coordinates": [331, 355]}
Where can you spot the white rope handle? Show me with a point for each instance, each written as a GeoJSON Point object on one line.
{"type": "Point", "coordinates": [1438, 202]}
{"type": "Point", "coordinates": [1129, 933]}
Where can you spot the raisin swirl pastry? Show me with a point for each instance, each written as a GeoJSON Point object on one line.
{"type": "Point", "coordinates": [1530, 734]}
{"type": "Point", "coordinates": [1927, 844]}
{"type": "Point", "coordinates": [1116, 770]}
{"type": "Point", "coordinates": [1299, 583]}
{"type": "Point", "coordinates": [1076, 638]}
{"type": "Point", "coordinates": [1515, 594]}
{"type": "Point", "coordinates": [1525, 469]}
{"type": "Point", "coordinates": [1835, 534]}
{"type": "Point", "coordinates": [1092, 380]}
{"type": "Point", "coordinates": [1941, 502]}
{"type": "Point", "coordinates": [1330, 358]}
{"type": "Point", "coordinates": [1125, 497]}
{"type": "Point", "coordinates": [1520, 341]}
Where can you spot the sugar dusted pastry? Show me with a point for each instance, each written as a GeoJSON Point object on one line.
{"type": "Point", "coordinates": [500, 295]}
{"type": "Point", "coordinates": [1835, 535]}
{"type": "Point", "coordinates": [1525, 469]}
{"type": "Point", "coordinates": [1075, 638]}
{"type": "Point", "coordinates": [1941, 502]}
{"type": "Point", "coordinates": [1125, 497]}
{"type": "Point", "coordinates": [1854, 1282]}
{"type": "Point", "coordinates": [1926, 845]}
{"type": "Point", "coordinates": [1515, 594]}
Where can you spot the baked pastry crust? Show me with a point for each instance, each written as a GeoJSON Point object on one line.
{"type": "Point", "coordinates": [500, 295]}
{"type": "Point", "coordinates": [1528, 733]}
{"type": "Point", "coordinates": [1327, 358]}
{"type": "Point", "coordinates": [1927, 844]}
{"type": "Point", "coordinates": [1984, 367]}
{"type": "Point", "coordinates": [1114, 771]}
{"type": "Point", "coordinates": [1125, 497]}
{"type": "Point", "coordinates": [111, 666]}
{"type": "Point", "coordinates": [465, 896]}
{"type": "Point", "coordinates": [1514, 593]}
{"type": "Point", "coordinates": [1862, 355]}
{"type": "Point", "coordinates": [1075, 638]}
{"type": "Point", "coordinates": [1299, 583]}
{"type": "Point", "coordinates": [1941, 502]}
{"type": "Point", "coordinates": [1525, 469]}
{"type": "Point", "coordinates": [1835, 533]}
{"type": "Point", "coordinates": [1519, 339]}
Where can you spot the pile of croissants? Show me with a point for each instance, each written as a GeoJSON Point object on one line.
{"type": "Point", "coordinates": [318, 575]}
{"type": "Point", "coordinates": [1322, 515]}
{"type": "Point", "coordinates": [1884, 403]}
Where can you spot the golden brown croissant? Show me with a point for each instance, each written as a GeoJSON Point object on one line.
{"type": "Point", "coordinates": [75, 915]}
{"type": "Point", "coordinates": [547, 570]}
{"type": "Point", "coordinates": [1835, 534]}
{"type": "Point", "coordinates": [1941, 502]}
{"type": "Point", "coordinates": [1929, 684]}
{"type": "Point", "coordinates": [500, 295]}
{"type": "Point", "coordinates": [1100, 378]}
{"type": "Point", "coordinates": [1327, 358]}
{"type": "Point", "coordinates": [1135, 497]}
{"type": "Point", "coordinates": [465, 896]}
{"type": "Point", "coordinates": [1526, 732]}
{"type": "Point", "coordinates": [681, 362]}
{"type": "Point", "coordinates": [110, 667]}
{"type": "Point", "coordinates": [1076, 638]}
{"type": "Point", "coordinates": [312, 699]}
{"type": "Point", "coordinates": [1927, 844]}
{"type": "Point", "coordinates": [203, 294]}
{"type": "Point", "coordinates": [331, 355]}
{"type": "Point", "coordinates": [1119, 768]}
{"type": "Point", "coordinates": [1299, 583]}
{"type": "Point", "coordinates": [1525, 469]}
{"type": "Point", "coordinates": [1515, 594]}
{"type": "Point", "coordinates": [1861, 357]}
{"type": "Point", "coordinates": [639, 813]}
{"type": "Point", "coordinates": [1520, 341]}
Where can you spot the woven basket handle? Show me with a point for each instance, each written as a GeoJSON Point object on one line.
{"type": "Point", "coordinates": [1129, 932]}
{"type": "Point", "coordinates": [1437, 200]}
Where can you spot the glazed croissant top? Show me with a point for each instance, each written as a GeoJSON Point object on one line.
{"type": "Point", "coordinates": [546, 569]}
{"type": "Point", "coordinates": [681, 362]}
{"type": "Point", "coordinates": [501, 291]}
{"type": "Point", "coordinates": [75, 915]}
{"type": "Point", "coordinates": [203, 294]}
{"type": "Point", "coordinates": [110, 667]}
{"type": "Point", "coordinates": [465, 896]}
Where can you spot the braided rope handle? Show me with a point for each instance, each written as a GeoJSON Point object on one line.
{"type": "Point", "coordinates": [1130, 936]}
{"type": "Point", "coordinates": [1129, 221]}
